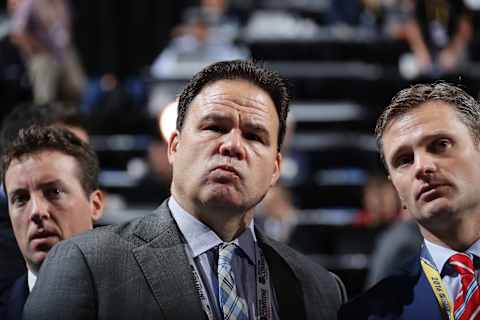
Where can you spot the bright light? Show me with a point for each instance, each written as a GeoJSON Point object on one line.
{"type": "Point", "coordinates": [167, 120]}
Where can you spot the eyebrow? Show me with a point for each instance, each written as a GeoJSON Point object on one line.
{"type": "Point", "coordinates": [215, 116]}
{"type": "Point", "coordinates": [221, 117]}
{"type": "Point", "coordinates": [15, 191]}
{"type": "Point", "coordinates": [257, 128]}
{"type": "Point", "coordinates": [50, 183]}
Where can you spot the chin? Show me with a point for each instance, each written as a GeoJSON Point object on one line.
{"type": "Point", "coordinates": [439, 215]}
{"type": "Point", "coordinates": [38, 257]}
{"type": "Point", "coordinates": [222, 202]}
{"type": "Point", "coordinates": [225, 202]}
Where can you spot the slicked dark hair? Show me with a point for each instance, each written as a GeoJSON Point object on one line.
{"type": "Point", "coordinates": [466, 107]}
{"type": "Point", "coordinates": [36, 139]}
{"type": "Point", "coordinates": [265, 79]}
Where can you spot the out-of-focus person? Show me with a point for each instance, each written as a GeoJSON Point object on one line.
{"type": "Point", "coordinates": [42, 31]}
{"type": "Point", "coordinates": [15, 86]}
{"type": "Point", "coordinates": [438, 32]}
{"type": "Point", "coordinates": [276, 214]}
{"type": "Point", "coordinates": [381, 205]}
{"type": "Point", "coordinates": [206, 36]}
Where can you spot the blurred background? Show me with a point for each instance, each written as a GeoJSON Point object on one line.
{"type": "Point", "coordinates": [121, 64]}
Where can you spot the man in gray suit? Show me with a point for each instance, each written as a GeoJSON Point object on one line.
{"type": "Point", "coordinates": [199, 255]}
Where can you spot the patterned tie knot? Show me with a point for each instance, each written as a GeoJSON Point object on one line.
{"type": "Point", "coordinates": [462, 263]}
{"type": "Point", "coordinates": [225, 255]}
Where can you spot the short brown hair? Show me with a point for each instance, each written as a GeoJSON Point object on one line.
{"type": "Point", "coordinates": [40, 138]}
{"type": "Point", "coordinates": [466, 107]}
{"type": "Point", "coordinates": [267, 80]}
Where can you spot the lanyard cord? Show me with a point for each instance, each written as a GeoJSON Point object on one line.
{"type": "Point", "coordinates": [438, 288]}
{"type": "Point", "coordinates": [264, 305]}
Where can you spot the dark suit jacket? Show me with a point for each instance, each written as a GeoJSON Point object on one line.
{"type": "Point", "coordinates": [13, 300]}
{"type": "Point", "coordinates": [140, 270]}
{"type": "Point", "coordinates": [12, 264]}
{"type": "Point", "coordinates": [406, 295]}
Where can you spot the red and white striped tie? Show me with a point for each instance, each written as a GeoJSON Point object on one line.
{"type": "Point", "coordinates": [467, 302]}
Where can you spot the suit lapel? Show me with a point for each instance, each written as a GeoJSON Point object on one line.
{"type": "Point", "coordinates": [288, 290]}
{"type": "Point", "coordinates": [18, 296]}
{"type": "Point", "coordinates": [165, 266]}
{"type": "Point", "coordinates": [424, 303]}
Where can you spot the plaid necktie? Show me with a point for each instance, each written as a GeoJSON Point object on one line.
{"type": "Point", "coordinates": [467, 302]}
{"type": "Point", "coordinates": [232, 305]}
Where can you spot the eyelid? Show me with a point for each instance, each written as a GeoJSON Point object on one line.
{"type": "Point", "coordinates": [53, 191]}
{"type": "Point", "coordinates": [14, 199]}
{"type": "Point", "coordinates": [398, 160]}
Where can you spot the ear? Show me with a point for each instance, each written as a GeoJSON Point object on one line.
{"type": "Point", "coordinates": [172, 145]}
{"type": "Point", "coordinates": [96, 204]}
{"type": "Point", "coordinates": [276, 169]}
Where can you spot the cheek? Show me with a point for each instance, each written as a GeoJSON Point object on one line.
{"type": "Point", "coordinates": [402, 188]}
{"type": "Point", "coordinates": [19, 222]}
{"type": "Point", "coordinates": [20, 228]}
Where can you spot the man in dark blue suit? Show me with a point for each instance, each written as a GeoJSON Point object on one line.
{"type": "Point", "coordinates": [12, 264]}
{"type": "Point", "coordinates": [429, 140]}
{"type": "Point", "coordinates": [50, 178]}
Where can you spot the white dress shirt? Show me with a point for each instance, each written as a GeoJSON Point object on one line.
{"type": "Point", "coordinates": [31, 279]}
{"type": "Point", "coordinates": [451, 278]}
{"type": "Point", "coordinates": [204, 243]}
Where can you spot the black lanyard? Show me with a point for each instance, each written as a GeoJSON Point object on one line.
{"type": "Point", "coordinates": [264, 305]}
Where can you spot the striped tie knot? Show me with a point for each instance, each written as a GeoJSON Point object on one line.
{"type": "Point", "coordinates": [225, 255]}
{"type": "Point", "coordinates": [462, 263]}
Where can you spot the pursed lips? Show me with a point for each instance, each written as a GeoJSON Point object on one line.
{"type": "Point", "coordinates": [227, 168]}
{"type": "Point", "coordinates": [43, 234]}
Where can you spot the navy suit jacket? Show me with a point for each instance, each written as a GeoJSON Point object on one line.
{"type": "Point", "coordinates": [13, 299]}
{"type": "Point", "coordinates": [405, 295]}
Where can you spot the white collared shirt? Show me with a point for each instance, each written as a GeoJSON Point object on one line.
{"type": "Point", "coordinates": [440, 256]}
{"type": "Point", "coordinates": [203, 241]}
{"type": "Point", "coordinates": [31, 279]}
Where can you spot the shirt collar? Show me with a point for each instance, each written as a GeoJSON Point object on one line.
{"type": "Point", "coordinates": [31, 279]}
{"type": "Point", "coordinates": [201, 238]}
{"type": "Point", "coordinates": [440, 255]}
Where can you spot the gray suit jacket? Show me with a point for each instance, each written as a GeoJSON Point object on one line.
{"type": "Point", "coordinates": [139, 270]}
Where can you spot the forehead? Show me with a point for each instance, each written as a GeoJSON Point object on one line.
{"type": "Point", "coordinates": [40, 167]}
{"type": "Point", "coordinates": [429, 119]}
{"type": "Point", "coordinates": [238, 96]}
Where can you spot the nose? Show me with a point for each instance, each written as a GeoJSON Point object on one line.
{"type": "Point", "coordinates": [232, 145]}
{"type": "Point", "coordinates": [39, 209]}
{"type": "Point", "coordinates": [425, 166]}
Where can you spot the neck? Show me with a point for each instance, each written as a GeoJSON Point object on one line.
{"type": "Point", "coordinates": [228, 228]}
{"type": "Point", "coordinates": [228, 222]}
{"type": "Point", "coordinates": [33, 268]}
{"type": "Point", "coordinates": [458, 236]}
